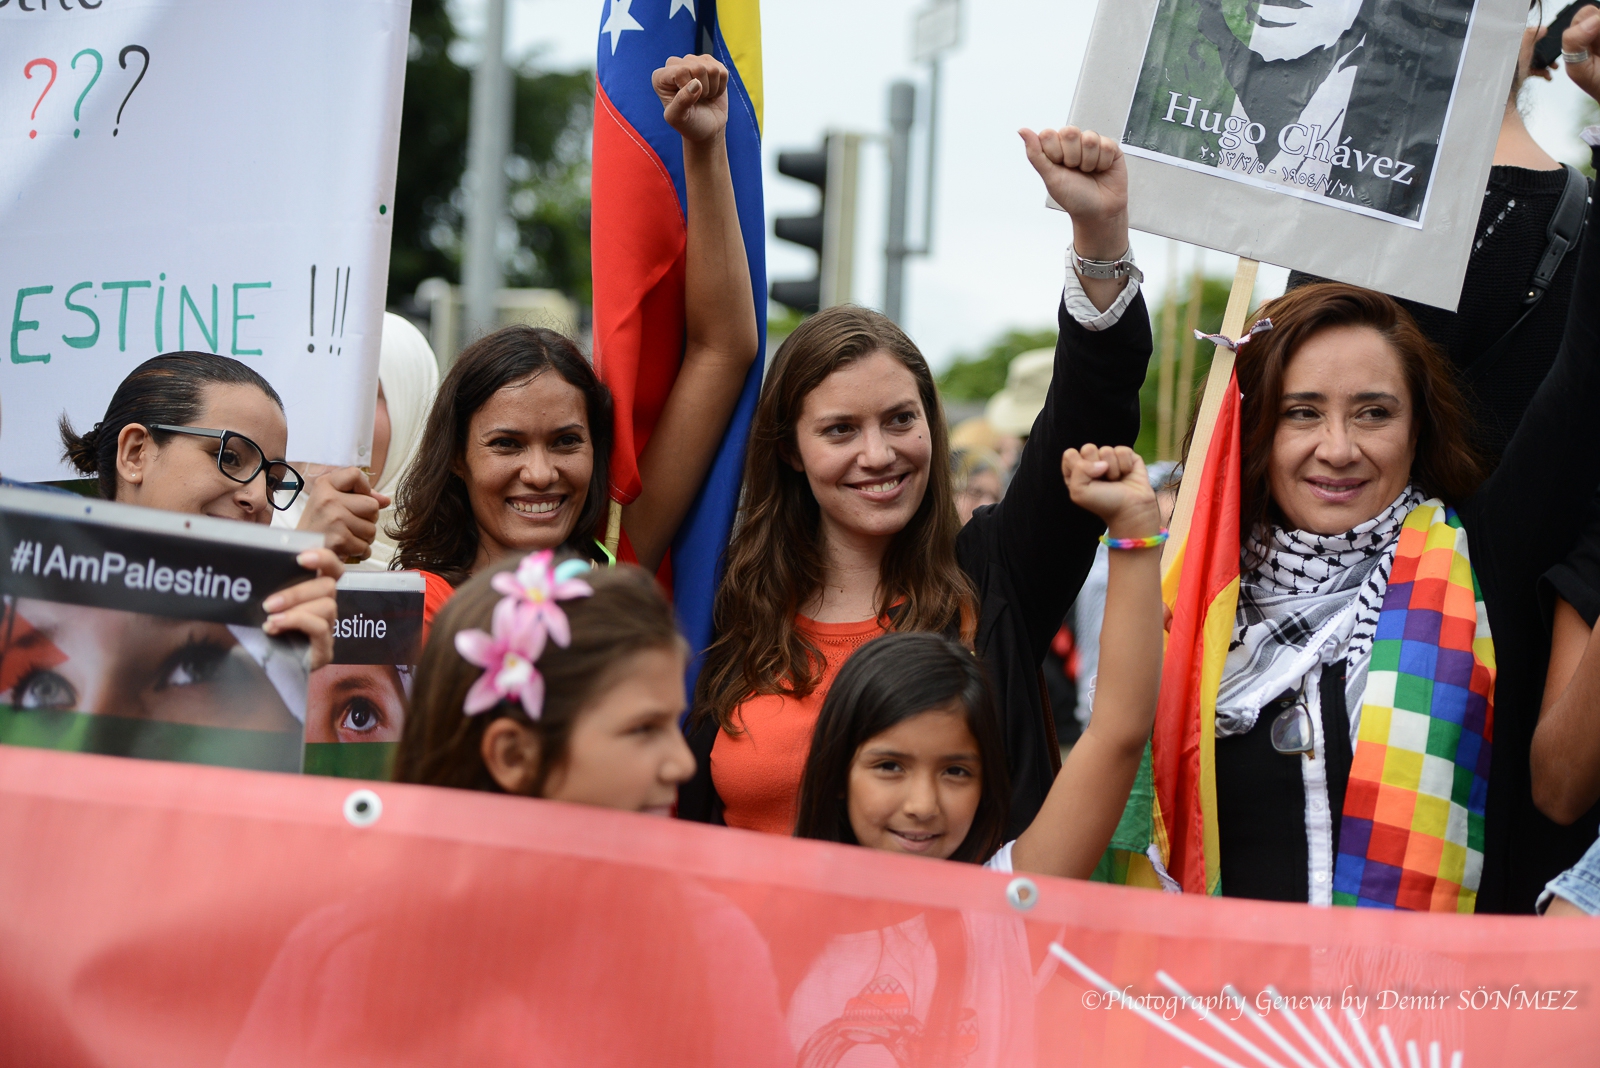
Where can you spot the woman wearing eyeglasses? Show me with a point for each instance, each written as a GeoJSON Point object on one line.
{"type": "Point", "coordinates": [202, 434]}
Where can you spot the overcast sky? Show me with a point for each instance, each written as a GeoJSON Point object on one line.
{"type": "Point", "coordinates": [998, 254]}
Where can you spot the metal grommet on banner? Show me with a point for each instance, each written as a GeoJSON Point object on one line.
{"type": "Point", "coordinates": [362, 808]}
{"type": "Point", "coordinates": [1022, 893]}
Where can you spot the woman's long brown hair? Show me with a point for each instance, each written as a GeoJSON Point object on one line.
{"type": "Point", "coordinates": [775, 558]}
{"type": "Point", "coordinates": [1444, 464]}
{"type": "Point", "coordinates": [435, 528]}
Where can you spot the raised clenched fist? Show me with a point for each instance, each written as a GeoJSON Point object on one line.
{"type": "Point", "coordinates": [694, 95]}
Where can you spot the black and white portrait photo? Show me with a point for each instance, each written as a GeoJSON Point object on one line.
{"type": "Point", "coordinates": [1342, 101]}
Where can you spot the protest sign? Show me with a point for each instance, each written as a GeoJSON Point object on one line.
{"type": "Point", "coordinates": [183, 174]}
{"type": "Point", "coordinates": [361, 697]}
{"type": "Point", "coordinates": [307, 921]}
{"type": "Point", "coordinates": [1348, 138]}
{"type": "Point", "coordinates": [138, 633]}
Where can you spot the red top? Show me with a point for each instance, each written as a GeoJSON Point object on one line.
{"type": "Point", "coordinates": [438, 591]}
{"type": "Point", "coordinates": [757, 773]}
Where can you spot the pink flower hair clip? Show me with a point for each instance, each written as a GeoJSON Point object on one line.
{"type": "Point", "coordinates": [527, 616]}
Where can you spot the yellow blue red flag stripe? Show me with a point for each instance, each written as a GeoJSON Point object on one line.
{"type": "Point", "coordinates": [637, 240]}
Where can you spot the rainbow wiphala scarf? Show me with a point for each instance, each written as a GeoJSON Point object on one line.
{"type": "Point", "coordinates": [1411, 836]}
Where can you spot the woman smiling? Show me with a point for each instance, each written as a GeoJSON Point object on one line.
{"type": "Point", "coordinates": [849, 524]}
{"type": "Point", "coordinates": [515, 452]}
{"type": "Point", "coordinates": [203, 434]}
{"type": "Point", "coordinates": [1353, 437]}
{"type": "Point", "coordinates": [1375, 708]}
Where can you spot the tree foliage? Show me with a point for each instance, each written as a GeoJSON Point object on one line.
{"type": "Point", "coordinates": [548, 169]}
{"type": "Point", "coordinates": [1213, 302]}
{"type": "Point", "coordinates": [981, 377]}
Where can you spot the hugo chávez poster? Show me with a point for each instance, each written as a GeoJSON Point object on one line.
{"type": "Point", "coordinates": [1339, 101]}
{"type": "Point", "coordinates": [361, 697]}
{"type": "Point", "coordinates": [133, 632]}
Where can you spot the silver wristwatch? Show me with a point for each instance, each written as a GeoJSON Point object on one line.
{"type": "Point", "coordinates": [1111, 270]}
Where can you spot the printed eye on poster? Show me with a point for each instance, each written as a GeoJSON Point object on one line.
{"type": "Point", "coordinates": [1348, 138]}
{"type": "Point", "coordinates": [356, 706]}
{"type": "Point", "coordinates": [132, 632]}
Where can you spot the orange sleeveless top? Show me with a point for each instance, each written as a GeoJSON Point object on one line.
{"type": "Point", "coordinates": [757, 773]}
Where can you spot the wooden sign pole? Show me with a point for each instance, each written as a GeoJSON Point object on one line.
{"type": "Point", "coordinates": [1166, 355]}
{"type": "Point", "coordinates": [1185, 398]}
{"type": "Point", "coordinates": [1244, 284]}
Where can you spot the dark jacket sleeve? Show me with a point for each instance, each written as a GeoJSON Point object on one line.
{"type": "Point", "coordinates": [1042, 542]}
{"type": "Point", "coordinates": [1576, 579]}
{"type": "Point", "coordinates": [1535, 504]}
{"type": "Point", "coordinates": [1028, 555]}
{"type": "Point", "coordinates": [1522, 523]}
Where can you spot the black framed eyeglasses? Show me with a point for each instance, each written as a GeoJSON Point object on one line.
{"type": "Point", "coordinates": [241, 460]}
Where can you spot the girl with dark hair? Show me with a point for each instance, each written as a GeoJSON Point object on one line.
{"type": "Point", "coordinates": [599, 726]}
{"type": "Point", "coordinates": [543, 678]}
{"type": "Point", "coordinates": [907, 757]}
{"type": "Point", "coordinates": [1374, 711]}
{"type": "Point", "coordinates": [910, 717]}
{"type": "Point", "coordinates": [849, 529]}
{"type": "Point", "coordinates": [203, 434]}
{"type": "Point", "coordinates": [516, 450]}
{"type": "Point", "coordinates": [907, 754]}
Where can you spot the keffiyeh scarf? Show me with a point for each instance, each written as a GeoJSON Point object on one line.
{"type": "Point", "coordinates": [1397, 600]}
{"type": "Point", "coordinates": [1306, 600]}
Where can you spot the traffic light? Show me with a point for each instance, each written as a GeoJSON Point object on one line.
{"type": "Point", "coordinates": [830, 232]}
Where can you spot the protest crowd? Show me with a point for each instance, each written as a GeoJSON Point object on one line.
{"type": "Point", "coordinates": [892, 587]}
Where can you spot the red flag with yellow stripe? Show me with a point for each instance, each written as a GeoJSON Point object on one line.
{"type": "Point", "coordinates": [1201, 587]}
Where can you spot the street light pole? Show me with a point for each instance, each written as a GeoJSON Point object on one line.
{"type": "Point", "coordinates": [933, 155]}
{"type": "Point", "coordinates": [488, 141]}
{"type": "Point", "coordinates": [936, 30]}
{"type": "Point", "coordinates": [902, 113]}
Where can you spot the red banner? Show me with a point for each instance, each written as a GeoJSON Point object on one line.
{"type": "Point", "coordinates": [162, 914]}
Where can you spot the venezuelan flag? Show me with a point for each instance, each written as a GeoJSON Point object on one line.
{"type": "Point", "coordinates": [638, 236]}
{"type": "Point", "coordinates": [1168, 833]}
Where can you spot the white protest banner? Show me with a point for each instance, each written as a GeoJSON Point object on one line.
{"type": "Point", "coordinates": [1348, 138]}
{"type": "Point", "coordinates": [189, 174]}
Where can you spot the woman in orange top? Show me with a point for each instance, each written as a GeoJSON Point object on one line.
{"type": "Point", "coordinates": [762, 776]}
{"type": "Point", "coordinates": [849, 521]}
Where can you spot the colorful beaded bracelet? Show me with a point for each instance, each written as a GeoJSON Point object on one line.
{"type": "Point", "coordinates": [1134, 543]}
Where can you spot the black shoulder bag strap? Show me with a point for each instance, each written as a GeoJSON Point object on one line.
{"type": "Point", "coordinates": [1561, 237]}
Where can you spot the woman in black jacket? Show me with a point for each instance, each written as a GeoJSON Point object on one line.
{"type": "Point", "coordinates": [849, 528]}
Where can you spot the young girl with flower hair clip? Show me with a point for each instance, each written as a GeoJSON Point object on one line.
{"type": "Point", "coordinates": [551, 679]}
{"type": "Point", "coordinates": [547, 679]}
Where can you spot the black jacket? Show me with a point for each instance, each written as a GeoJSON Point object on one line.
{"type": "Point", "coordinates": [1027, 555]}
{"type": "Point", "coordinates": [1524, 521]}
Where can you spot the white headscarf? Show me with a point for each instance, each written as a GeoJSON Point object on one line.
{"type": "Point", "coordinates": [409, 374]}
